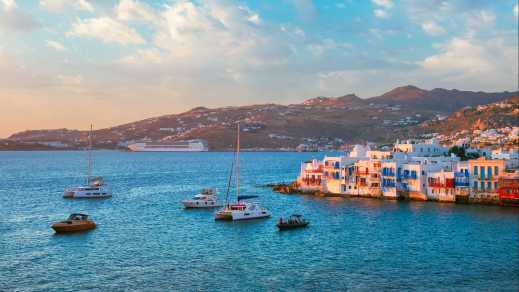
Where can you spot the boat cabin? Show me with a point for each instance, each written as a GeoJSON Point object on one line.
{"type": "Point", "coordinates": [78, 216]}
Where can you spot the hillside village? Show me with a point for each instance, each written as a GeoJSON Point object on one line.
{"type": "Point", "coordinates": [414, 170]}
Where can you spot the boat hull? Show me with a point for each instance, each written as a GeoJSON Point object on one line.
{"type": "Point", "coordinates": [245, 215]}
{"type": "Point", "coordinates": [291, 226]}
{"type": "Point", "coordinates": [189, 204]}
{"type": "Point", "coordinates": [86, 195]}
{"type": "Point", "coordinates": [70, 226]}
{"type": "Point", "coordinates": [223, 216]}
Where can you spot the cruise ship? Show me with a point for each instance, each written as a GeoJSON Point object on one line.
{"type": "Point", "coordinates": [196, 145]}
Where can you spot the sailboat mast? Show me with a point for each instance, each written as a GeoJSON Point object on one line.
{"type": "Point", "coordinates": [238, 161]}
{"type": "Point", "coordinates": [89, 155]}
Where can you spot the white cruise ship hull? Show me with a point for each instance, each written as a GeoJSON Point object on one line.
{"type": "Point", "coordinates": [181, 146]}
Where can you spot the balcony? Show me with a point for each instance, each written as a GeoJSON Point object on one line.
{"type": "Point", "coordinates": [388, 173]}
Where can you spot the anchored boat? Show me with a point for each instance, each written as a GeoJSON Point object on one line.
{"type": "Point", "coordinates": [239, 210]}
{"type": "Point", "coordinates": [294, 221]}
{"type": "Point", "coordinates": [76, 222]}
{"type": "Point", "coordinates": [94, 187]}
{"type": "Point", "coordinates": [207, 198]}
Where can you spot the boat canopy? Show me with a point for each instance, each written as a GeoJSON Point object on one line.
{"type": "Point", "coordinates": [245, 197]}
{"type": "Point", "coordinates": [78, 216]}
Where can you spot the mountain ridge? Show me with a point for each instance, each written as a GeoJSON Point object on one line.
{"type": "Point", "coordinates": [321, 120]}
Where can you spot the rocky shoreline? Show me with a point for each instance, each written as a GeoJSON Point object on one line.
{"type": "Point", "coordinates": [292, 189]}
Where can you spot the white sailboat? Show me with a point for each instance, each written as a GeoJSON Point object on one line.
{"type": "Point", "coordinates": [240, 210]}
{"type": "Point", "coordinates": [94, 187]}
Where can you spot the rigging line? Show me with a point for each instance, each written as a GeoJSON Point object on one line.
{"type": "Point", "coordinates": [229, 181]}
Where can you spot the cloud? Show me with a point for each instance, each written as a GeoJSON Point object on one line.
{"type": "Point", "coordinates": [60, 5]}
{"type": "Point", "coordinates": [380, 13]}
{"type": "Point", "coordinates": [130, 10]}
{"type": "Point", "coordinates": [387, 4]}
{"type": "Point", "coordinates": [305, 8]}
{"type": "Point", "coordinates": [432, 28]}
{"type": "Point", "coordinates": [472, 62]}
{"type": "Point", "coordinates": [516, 10]}
{"type": "Point", "coordinates": [106, 29]}
{"type": "Point", "coordinates": [14, 19]}
{"type": "Point", "coordinates": [384, 5]}
{"type": "Point", "coordinates": [8, 4]}
{"type": "Point", "coordinates": [55, 45]}
{"type": "Point", "coordinates": [321, 47]}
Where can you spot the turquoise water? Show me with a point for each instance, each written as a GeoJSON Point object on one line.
{"type": "Point", "coordinates": [146, 241]}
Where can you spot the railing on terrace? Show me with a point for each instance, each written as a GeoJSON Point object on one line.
{"type": "Point", "coordinates": [461, 184]}
{"type": "Point", "coordinates": [387, 172]}
{"type": "Point", "coordinates": [441, 185]}
{"type": "Point", "coordinates": [312, 182]}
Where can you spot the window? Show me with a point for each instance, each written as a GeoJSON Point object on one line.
{"type": "Point", "coordinates": [495, 185]}
{"type": "Point", "coordinates": [489, 171]}
{"type": "Point", "coordinates": [482, 172]}
{"type": "Point", "coordinates": [496, 170]}
{"type": "Point", "coordinates": [475, 185]}
{"type": "Point", "coordinates": [489, 186]}
{"type": "Point", "coordinates": [482, 185]}
{"type": "Point", "coordinates": [475, 170]}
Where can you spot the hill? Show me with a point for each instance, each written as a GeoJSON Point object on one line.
{"type": "Point", "coordinates": [495, 115]}
{"type": "Point", "coordinates": [323, 121]}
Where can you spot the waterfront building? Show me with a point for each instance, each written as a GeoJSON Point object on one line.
{"type": "Point", "coordinates": [484, 179]}
{"type": "Point", "coordinates": [391, 179]}
{"type": "Point", "coordinates": [511, 156]}
{"type": "Point", "coordinates": [462, 181]}
{"type": "Point", "coordinates": [421, 149]}
{"type": "Point", "coordinates": [311, 175]}
{"type": "Point", "coordinates": [509, 188]}
{"type": "Point", "coordinates": [332, 174]}
{"type": "Point", "coordinates": [441, 186]}
{"type": "Point", "coordinates": [363, 179]}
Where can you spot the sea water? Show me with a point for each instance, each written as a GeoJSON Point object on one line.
{"type": "Point", "coordinates": [145, 240]}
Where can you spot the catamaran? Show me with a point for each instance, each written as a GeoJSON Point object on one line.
{"type": "Point", "coordinates": [95, 187]}
{"type": "Point", "coordinates": [240, 210]}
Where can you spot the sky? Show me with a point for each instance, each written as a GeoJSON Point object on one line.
{"type": "Point", "coordinates": [70, 63]}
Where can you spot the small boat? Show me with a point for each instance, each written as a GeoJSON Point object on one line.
{"type": "Point", "coordinates": [294, 221]}
{"type": "Point", "coordinates": [207, 198]}
{"type": "Point", "coordinates": [94, 188]}
{"type": "Point", "coordinates": [76, 222]}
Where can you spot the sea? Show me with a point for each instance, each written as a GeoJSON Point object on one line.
{"type": "Point", "coordinates": [146, 241]}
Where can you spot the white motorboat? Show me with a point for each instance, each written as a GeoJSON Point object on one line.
{"type": "Point", "coordinates": [94, 188]}
{"type": "Point", "coordinates": [240, 210]}
{"type": "Point", "coordinates": [207, 198]}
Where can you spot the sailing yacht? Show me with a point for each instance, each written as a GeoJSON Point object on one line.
{"type": "Point", "coordinates": [240, 210]}
{"type": "Point", "coordinates": [94, 187]}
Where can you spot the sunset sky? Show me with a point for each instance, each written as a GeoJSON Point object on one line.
{"type": "Point", "coordinates": [69, 63]}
